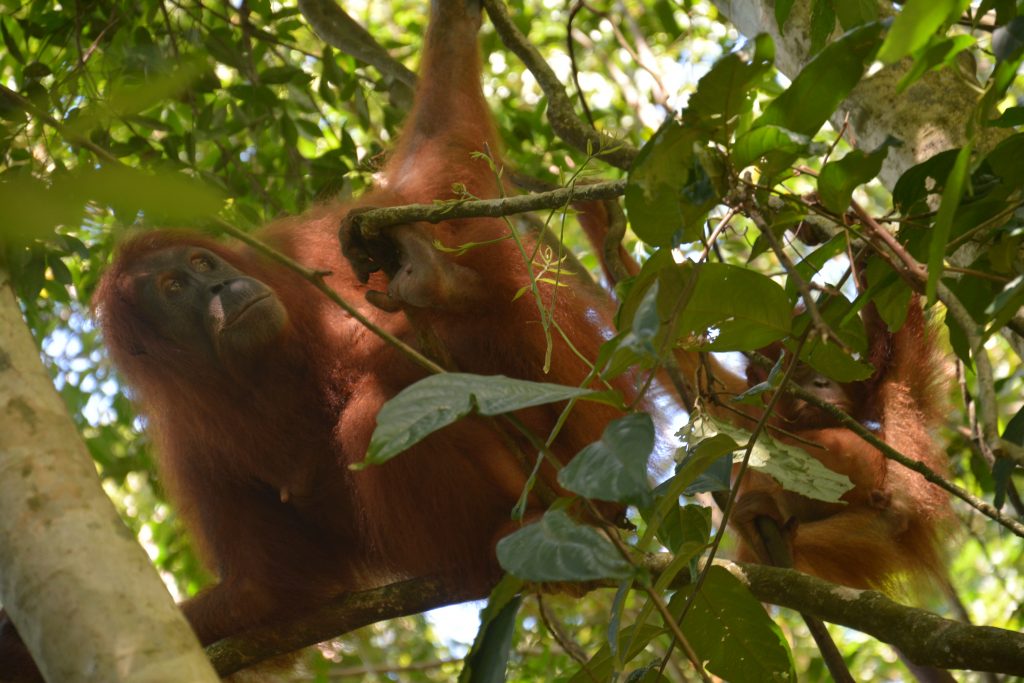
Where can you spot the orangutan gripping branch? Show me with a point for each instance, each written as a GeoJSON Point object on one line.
{"type": "Point", "coordinates": [260, 393]}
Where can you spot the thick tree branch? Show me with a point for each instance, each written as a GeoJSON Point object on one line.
{"type": "Point", "coordinates": [929, 117]}
{"type": "Point", "coordinates": [926, 638]}
{"type": "Point", "coordinates": [336, 617]}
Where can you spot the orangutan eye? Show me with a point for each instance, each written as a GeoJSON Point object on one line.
{"type": "Point", "coordinates": [172, 286]}
{"type": "Point", "coordinates": [201, 264]}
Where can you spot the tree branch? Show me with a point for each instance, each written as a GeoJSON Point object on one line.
{"type": "Point", "coordinates": [335, 618]}
{"type": "Point", "coordinates": [369, 223]}
{"type": "Point", "coordinates": [561, 114]}
{"type": "Point", "coordinates": [62, 543]}
{"type": "Point", "coordinates": [339, 30]}
{"type": "Point", "coordinates": [926, 638]}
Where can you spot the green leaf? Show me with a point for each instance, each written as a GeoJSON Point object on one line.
{"type": "Point", "coordinates": [1002, 470]}
{"type": "Point", "coordinates": [912, 190]}
{"type": "Point", "coordinates": [852, 13]}
{"type": "Point", "coordinates": [487, 660]}
{"type": "Point", "coordinates": [282, 74]}
{"type": "Point", "coordinates": [700, 455]}
{"type": "Point", "coordinates": [1010, 118]}
{"type": "Point", "coordinates": [1005, 305]}
{"type": "Point", "coordinates": [707, 466]}
{"type": "Point", "coordinates": [823, 23]}
{"type": "Point", "coordinates": [30, 210]}
{"type": "Point", "coordinates": [951, 196]}
{"type": "Point", "coordinates": [829, 358]}
{"type": "Point", "coordinates": [771, 147]}
{"type": "Point", "coordinates": [941, 53]}
{"type": "Point", "coordinates": [221, 44]}
{"type": "Point", "coordinates": [440, 400]}
{"type": "Point", "coordinates": [636, 346]}
{"type": "Point", "coordinates": [726, 93]}
{"type": "Point", "coordinates": [686, 530]}
{"type": "Point", "coordinates": [890, 295]}
{"type": "Point", "coordinates": [838, 179]}
{"type": "Point", "coordinates": [916, 23]}
{"type": "Point", "coordinates": [36, 71]}
{"type": "Point", "coordinates": [728, 308]}
{"type": "Point", "coordinates": [794, 468]}
{"type": "Point", "coordinates": [825, 82]}
{"type": "Point", "coordinates": [782, 11]}
{"type": "Point", "coordinates": [162, 197]}
{"type": "Point", "coordinates": [669, 191]}
{"type": "Point", "coordinates": [10, 43]}
{"type": "Point", "coordinates": [615, 467]}
{"type": "Point", "coordinates": [810, 265]}
{"type": "Point", "coordinates": [1004, 161]}
{"type": "Point", "coordinates": [557, 548]}
{"type": "Point", "coordinates": [632, 640]}
{"type": "Point", "coordinates": [731, 632]}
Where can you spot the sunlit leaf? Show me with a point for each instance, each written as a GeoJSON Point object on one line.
{"type": "Point", "coordinates": [824, 82]}
{"type": "Point", "coordinates": [917, 21]}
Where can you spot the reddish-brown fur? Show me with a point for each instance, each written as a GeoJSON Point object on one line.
{"type": "Point", "coordinates": [256, 454]}
{"type": "Point", "coordinates": [888, 528]}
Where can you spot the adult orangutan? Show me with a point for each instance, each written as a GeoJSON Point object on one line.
{"type": "Point", "coordinates": [888, 527]}
{"type": "Point", "coordinates": [259, 392]}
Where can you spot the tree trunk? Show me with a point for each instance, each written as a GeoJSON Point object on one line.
{"type": "Point", "coordinates": [928, 117]}
{"type": "Point", "coordinates": [81, 591]}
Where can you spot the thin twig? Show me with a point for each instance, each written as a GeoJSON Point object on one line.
{"type": "Point", "coordinates": [560, 111]}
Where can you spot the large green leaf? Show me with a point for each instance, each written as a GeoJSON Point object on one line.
{"type": "Point", "coordinates": [487, 660]}
{"type": "Point", "coordinates": [615, 467]}
{"type": "Point", "coordinates": [916, 23]}
{"type": "Point", "coordinates": [726, 92]}
{"type": "Point", "coordinates": [557, 548]}
{"type": "Point", "coordinates": [956, 184]}
{"type": "Point", "coordinates": [824, 82]}
{"type": "Point", "coordinates": [637, 345]}
{"type": "Point", "coordinates": [728, 308]}
{"type": "Point", "coordinates": [771, 147]}
{"type": "Point", "coordinates": [838, 179]}
{"type": "Point", "coordinates": [794, 468]}
{"type": "Point", "coordinates": [439, 400]}
{"type": "Point", "coordinates": [670, 190]}
{"type": "Point", "coordinates": [731, 632]}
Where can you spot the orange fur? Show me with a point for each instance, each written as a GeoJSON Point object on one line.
{"type": "Point", "coordinates": [888, 528]}
{"type": "Point", "coordinates": [256, 455]}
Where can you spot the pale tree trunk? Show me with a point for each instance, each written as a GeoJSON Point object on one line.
{"type": "Point", "coordinates": [928, 117]}
{"type": "Point", "coordinates": [72, 578]}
